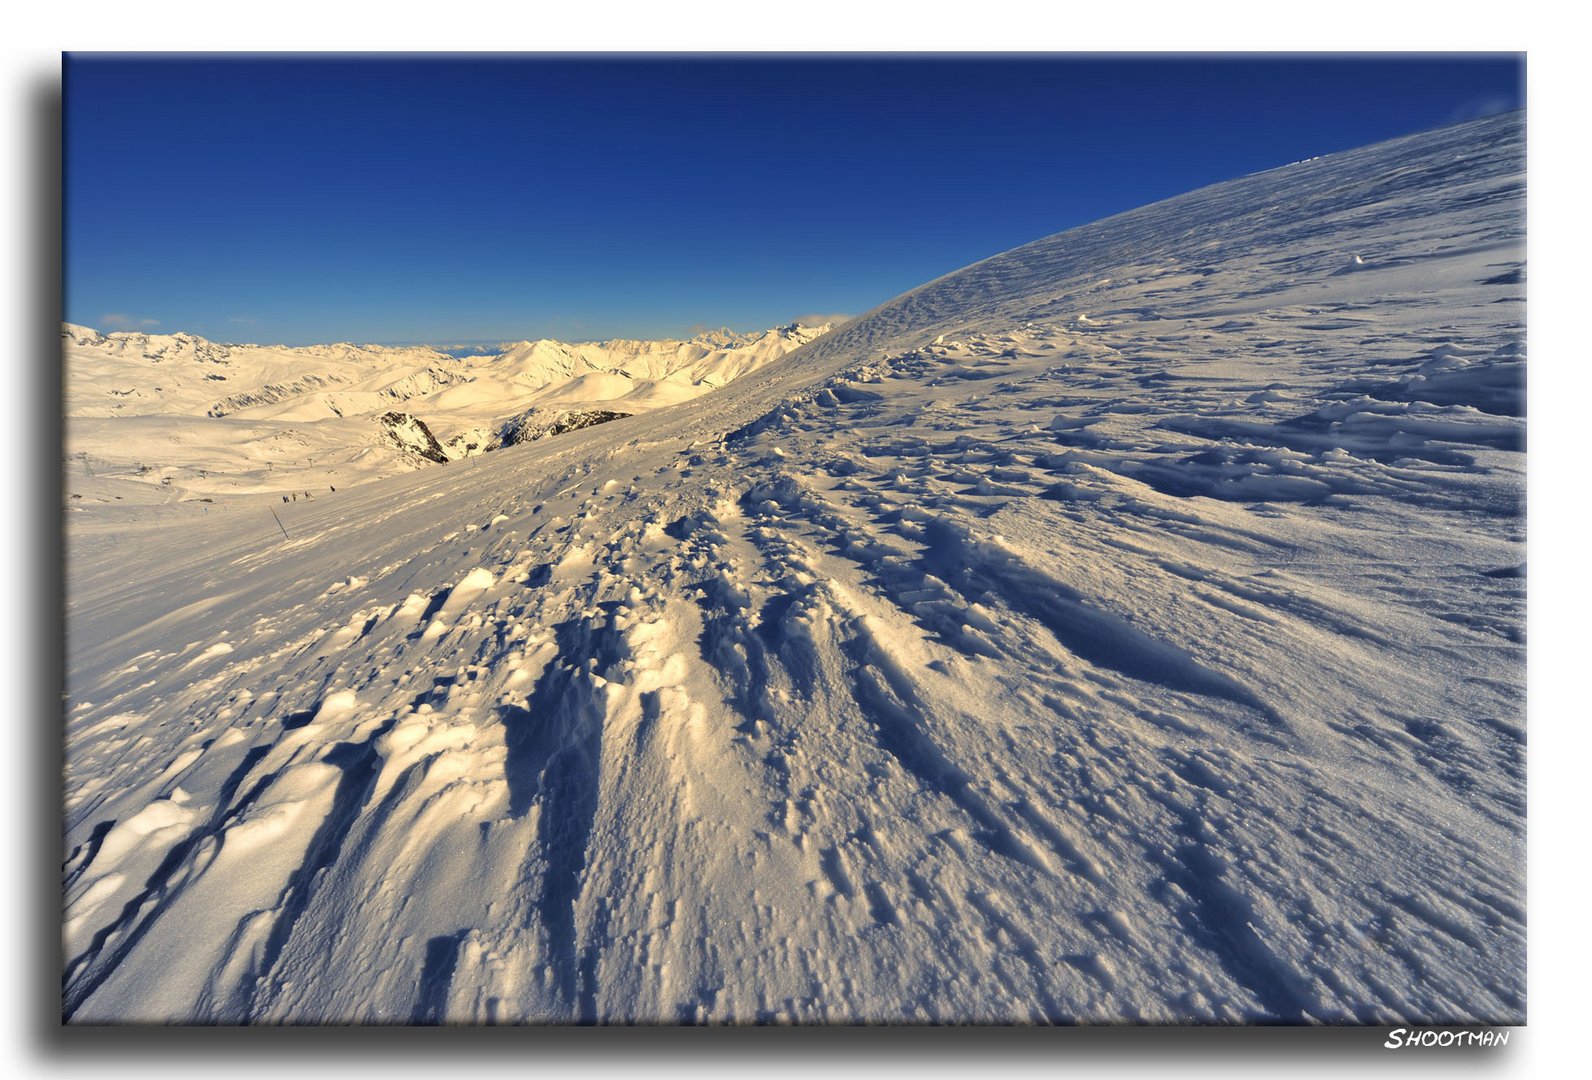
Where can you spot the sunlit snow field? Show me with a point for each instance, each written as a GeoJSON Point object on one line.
{"type": "Point", "coordinates": [1128, 627]}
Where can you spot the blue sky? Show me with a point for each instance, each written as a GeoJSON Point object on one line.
{"type": "Point", "coordinates": [447, 200]}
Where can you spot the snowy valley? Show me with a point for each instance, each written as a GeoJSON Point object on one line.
{"type": "Point", "coordinates": [1126, 628]}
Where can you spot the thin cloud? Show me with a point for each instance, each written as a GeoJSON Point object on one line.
{"type": "Point", "coordinates": [127, 322]}
{"type": "Point", "coordinates": [1476, 108]}
{"type": "Point", "coordinates": [820, 320]}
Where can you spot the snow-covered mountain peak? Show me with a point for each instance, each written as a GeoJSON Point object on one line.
{"type": "Point", "coordinates": [722, 338]}
{"type": "Point", "coordinates": [80, 335]}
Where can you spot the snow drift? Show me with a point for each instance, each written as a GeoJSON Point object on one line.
{"type": "Point", "coordinates": [1127, 627]}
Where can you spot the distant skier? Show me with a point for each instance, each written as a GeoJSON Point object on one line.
{"type": "Point", "coordinates": [284, 498]}
{"type": "Point", "coordinates": [295, 496]}
{"type": "Point", "coordinates": [332, 486]}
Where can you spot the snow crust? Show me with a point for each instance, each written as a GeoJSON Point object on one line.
{"type": "Point", "coordinates": [1126, 628]}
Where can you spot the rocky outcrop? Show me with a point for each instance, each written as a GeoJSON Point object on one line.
{"type": "Point", "coordinates": [410, 435]}
{"type": "Point", "coordinates": [533, 424]}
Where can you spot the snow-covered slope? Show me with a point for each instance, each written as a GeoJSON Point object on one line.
{"type": "Point", "coordinates": [171, 418]}
{"type": "Point", "coordinates": [1125, 628]}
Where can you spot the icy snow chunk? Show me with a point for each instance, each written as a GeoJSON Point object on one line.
{"type": "Point", "coordinates": [337, 704]}
{"type": "Point", "coordinates": [149, 826]}
{"type": "Point", "coordinates": [476, 579]}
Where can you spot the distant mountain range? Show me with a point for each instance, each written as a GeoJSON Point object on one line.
{"type": "Point", "coordinates": [199, 418]}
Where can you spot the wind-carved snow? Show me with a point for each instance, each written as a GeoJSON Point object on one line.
{"type": "Point", "coordinates": [1125, 628]}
